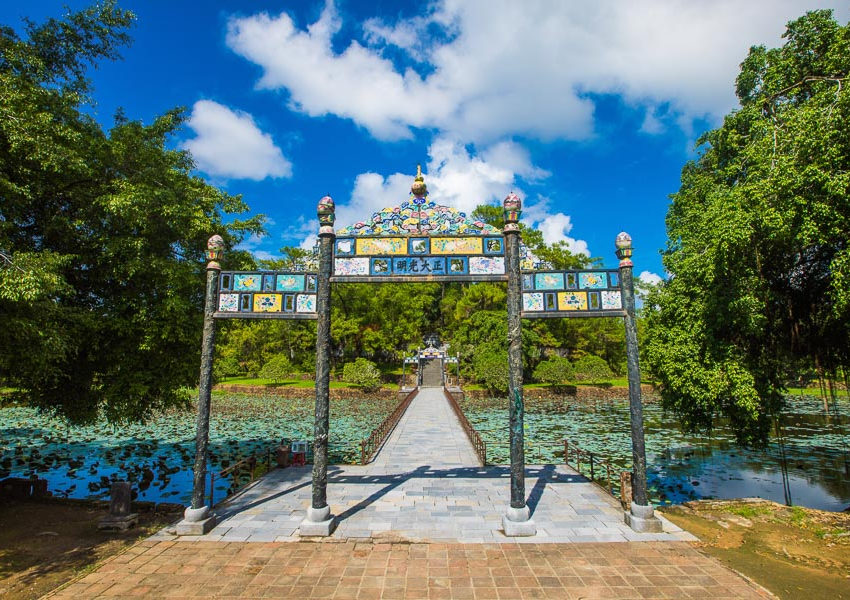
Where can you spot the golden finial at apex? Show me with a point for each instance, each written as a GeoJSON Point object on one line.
{"type": "Point", "coordinates": [419, 189]}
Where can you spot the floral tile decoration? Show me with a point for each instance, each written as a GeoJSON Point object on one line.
{"type": "Point", "coordinates": [247, 282]}
{"type": "Point", "coordinates": [267, 302]}
{"type": "Point", "coordinates": [228, 302]}
{"type": "Point", "coordinates": [305, 303]}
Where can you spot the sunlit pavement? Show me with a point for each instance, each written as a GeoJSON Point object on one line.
{"type": "Point", "coordinates": [366, 570]}
{"type": "Point", "coordinates": [425, 486]}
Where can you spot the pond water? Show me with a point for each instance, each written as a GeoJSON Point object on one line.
{"type": "Point", "coordinates": [680, 466]}
{"type": "Point", "coordinates": [157, 457]}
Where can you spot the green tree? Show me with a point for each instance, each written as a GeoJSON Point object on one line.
{"type": "Point", "coordinates": [277, 368]}
{"type": "Point", "coordinates": [592, 368]}
{"type": "Point", "coordinates": [105, 229]}
{"type": "Point", "coordinates": [362, 373]}
{"type": "Point", "coordinates": [554, 371]}
{"type": "Point", "coordinates": [491, 369]}
{"type": "Point", "coordinates": [758, 233]}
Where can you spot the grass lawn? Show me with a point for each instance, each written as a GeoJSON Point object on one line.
{"type": "Point", "coordinates": [289, 383]}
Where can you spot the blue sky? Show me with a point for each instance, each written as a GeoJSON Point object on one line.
{"type": "Point", "coordinates": [587, 110]}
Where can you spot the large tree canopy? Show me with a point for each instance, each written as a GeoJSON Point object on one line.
{"type": "Point", "coordinates": [758, 239]}
{"type": "Point", "coordinates": [101, 233]}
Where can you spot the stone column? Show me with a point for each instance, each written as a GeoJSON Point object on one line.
{"type": "Point", "coordinates": [319, 521]}
{"type": "Point", "coordinates": [197, 519]}
{"type": "Point", "coordinates": [641, 516]}
{"type": "Point", "coordinates": [517, 521]}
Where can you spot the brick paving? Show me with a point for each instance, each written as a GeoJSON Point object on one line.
{"type": "Point", "coordinates": [425, 485]}
{"type": "Point", "coordinates": [367, 570]}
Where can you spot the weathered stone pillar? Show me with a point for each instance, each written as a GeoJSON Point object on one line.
{"type": "Point", "coordinates": [517, 521]}
{"type": "Point", "coordinates": [319, 521]}
{"type": "Point", "coordinates": [197, 519]}
{"type": "Point", "coordinates": [641, 516]}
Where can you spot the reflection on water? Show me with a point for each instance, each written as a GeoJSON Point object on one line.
{"type": "Point", "coordinates": [157, 456]}
{"type": "Point", "coordinates": [681, 467]}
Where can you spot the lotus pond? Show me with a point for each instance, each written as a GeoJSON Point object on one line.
{"type": "Point", "coordinates": [805, 467]}
{"type": "Point", "coordinates": [157, 456]}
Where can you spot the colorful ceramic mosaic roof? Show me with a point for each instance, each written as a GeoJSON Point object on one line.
{"type": "Point", "coordinates": [419, 216]}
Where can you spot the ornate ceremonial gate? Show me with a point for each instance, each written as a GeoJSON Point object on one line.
{"type": "Point", "coordinates": [425, 242]}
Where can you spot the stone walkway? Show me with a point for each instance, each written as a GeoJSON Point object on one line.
{"type": "Point", "coordinates": [425, 486]}
{"type": "Point", "coordinates": [368, 571]}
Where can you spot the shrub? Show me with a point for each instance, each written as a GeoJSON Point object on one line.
{"type": "Point", "coordinates": [362, 373]}
{"type": "Point", "coordinates": [277, 368]}
{"type": "Point", "coordinates": [491, 370]}
{"type": "Point", "coordinates": [592, 368]}
{"type": "Point", "coordinates": [555, 371]}
{"type": "Point", "coordinates": [225, 367]}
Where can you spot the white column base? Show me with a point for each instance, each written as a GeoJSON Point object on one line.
{"type": "Point", "coordinates": [642, 519]}
{"type": "Point", "coordinates": [517, 522]}
{"type": "Point", "coordinates": [319, 522]}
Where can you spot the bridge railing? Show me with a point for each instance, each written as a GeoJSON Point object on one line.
{"type": "Point", "coordinates": [478, 444]}
{"type": "Point", "coordinates": [594, 467]}
{"type": "Point", "coordinates": [247, 465]}
{"type": "Point", "coordinates": [370, 445]}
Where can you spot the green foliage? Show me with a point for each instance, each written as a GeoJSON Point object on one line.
{"type": "Point", "coordinates": [491, 369]}
{"type": "Point", "coordinates": [592, 368]}
{"type": "Point", "coordinates": [555, 371]}
{"type": "Point", "coordinates": [101, 298]}
{"type": "Point", "coordinates": [758, 236]}
{"type": "Point", "coordinates": [363, 373]}
{"type": "Point", "coordinates": [226, 367]}
{"type": "Point", "coordinates": [277, 368]}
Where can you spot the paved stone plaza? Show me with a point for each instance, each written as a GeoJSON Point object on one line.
{"type": "Point", "coordinates": [368, 571]}
{"type": "Point", "coordinates": [425, 485]}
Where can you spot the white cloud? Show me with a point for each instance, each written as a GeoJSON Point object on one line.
{"type": "Point", "coordinates": [555, 229]}
{"type": "Point", "coordinates": [650, 278]}
{"type": "Point", "coordinates": [508, 68]}
{"type": "Point", "coordinates": [455, 177]}
{"type": "Point", "coordinates": [229, 144]}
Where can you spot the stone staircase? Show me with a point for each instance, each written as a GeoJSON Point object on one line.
{"type": "Point", "coordinates": [432, 373]}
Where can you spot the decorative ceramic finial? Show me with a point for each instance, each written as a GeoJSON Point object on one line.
{"type": "Point", "coordinates": [215, 249]}
{"type": "Point", "coordinates": [419, 189]}
{"type": "Point", "coordinates": [624, 249]}
{"type": "Point", "coordinates": [326, 215]}
{"type": "Point", "coordinates": [513, 210]}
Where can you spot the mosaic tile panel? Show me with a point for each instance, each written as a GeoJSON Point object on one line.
{"type": "Point", "coordinates": [247, 282]}
{"type": "Point", "coordinates": [291, 282]}
{"type": "Point", "coordinates": [381, 246]}
{"type": "Point", "coordinates": [418, 216]}
{"type": "Point", "coordinates": [228, 302]}
{"type": "Point", "coordinates": [419, 265]}
{"type": "Point", "coordinates": [351, 266]}
{"type": "Point", "coordinates": [592, 281]}
{"type": "Point", "coordinates": [549, 281]}
{"type": "Point", "coordinates": [611, 300]}
{"type": "Point", "coordinates": [486, 265]}
{"type": "Point", "coordinates": [263, 295]}
{"type": "Point", "coordinates": [532, 302]}
{"type": "Point", "coordinates": [267, 302]}
{"type": "Point", "coordinates": [345, 247]}
{"type": "Point", "coordinates": [493, 245]}
{"type": "Point", "coordinates": [572, 300]}
{"type": "Point", "coordinates": [459, 245]}
{"type": "Point", "coordinates": [418, 246]}
{"type": "Point", "coordinates": [305, 303]}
